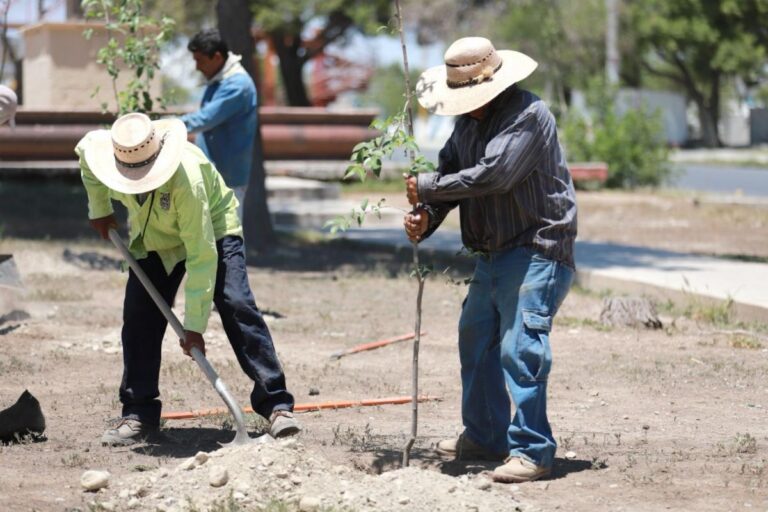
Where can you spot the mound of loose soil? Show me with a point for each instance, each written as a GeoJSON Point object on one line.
{"type": "Point", "coordinates": [261, 475]}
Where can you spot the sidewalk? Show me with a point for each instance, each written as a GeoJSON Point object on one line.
{"type": "Point", "coordinates": [630, 269]}
{"type": "Point", "coordinates": [756, 155]}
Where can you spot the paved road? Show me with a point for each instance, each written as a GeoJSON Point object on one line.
{"type": "Point", "coordinates": [749, 181]}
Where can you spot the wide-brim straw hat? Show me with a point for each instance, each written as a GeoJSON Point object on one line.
{"type": "Point", "coordinates": [473, 74]}
{"type": "Point", "coordinates": [136, 155]}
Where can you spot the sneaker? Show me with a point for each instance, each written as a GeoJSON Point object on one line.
{"type": "Point", "coordinates": [127, 432]}
{"type": "Point", "coordinates": [518, 470]}
{"type": "Point", "coordinates": [283, 424]}
{"type": "Point", "coordinates": [463, 448]}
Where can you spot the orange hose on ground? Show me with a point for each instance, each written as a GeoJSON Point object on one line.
{"type": "Point", "coordinates": [373, 344]}
{"type": "Point", "coordinates": [340, 404]}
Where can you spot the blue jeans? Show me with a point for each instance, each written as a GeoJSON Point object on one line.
{"type": "Point", "coordinates": [144, 326]}
{"type": "Point", "coordinates": [504, 344]}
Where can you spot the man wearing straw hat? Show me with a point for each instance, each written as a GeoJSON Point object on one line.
{"type": "Point", "coordinates": [183, 219]}
{"type": "Point", "coordinates": [504, 168]}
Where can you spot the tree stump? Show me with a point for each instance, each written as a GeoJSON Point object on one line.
{"type": "Point", "coordinates": [633, 312]}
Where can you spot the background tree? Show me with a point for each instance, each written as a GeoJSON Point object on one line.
{"type": "Point", "coordinates": [566, 38]}
{"type": "Point", "coordinates": [291, 28]}
{"type": "Point", "coordinates": [190, 17]}
{"type": "Point", "coordinates": [235, 20]}
{"type": "Point", "coordinates": [698, 45]}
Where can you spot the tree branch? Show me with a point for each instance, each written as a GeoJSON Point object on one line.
{"type": "Point", "coordinates": [689, 82]}
{"type": "Point", "coordinates": [337, 25]}
{"type": "Point", "coordinates": [664, 74]}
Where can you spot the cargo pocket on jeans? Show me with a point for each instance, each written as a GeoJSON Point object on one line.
{"type": "Point", "coordinates": [534, 355]}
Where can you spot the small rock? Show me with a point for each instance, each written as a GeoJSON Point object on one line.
{"type": "Point", "coordinates": [201, 458]}
{"type": "Point", "coordinates": [594, 393]}
{"type": "Point", "coordinates": [134, 503]}
{"type": "Point", "coordinates": [314, 391]}
{"type": "Point", "coordinates": [139, 491]}
{"type": "Point", "coordinates": [626, 416]}
{"type": "Point", "coordinates": [109, 506]}
{"type": "Point", "coordinates": [188, 464]}
{"type": "Point", "coordinates": [93, 480]}
{"type": "Point", "coordinates": [404, 500]}
{"type": "Point", "coordinates": [646, 427]}
{"type": "Point", "coordinates": [309, 504]}
{"type": "Point", "coordinates": [238, 496]}
{"type": "Point", "coordinates": [218, 476]}
{"type": "Point", "coordinates": [296, 480]}
{"type": "Point", "coordinates": [570, 455]}
{"type": "Point", "coordinates": [483, 484]}
{"type": "Point", "coordinates": [124, 494]}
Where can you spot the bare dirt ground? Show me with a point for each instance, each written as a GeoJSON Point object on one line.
{"type": "Point", "coordinates": [672, 419]}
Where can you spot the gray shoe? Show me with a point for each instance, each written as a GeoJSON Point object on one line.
{"type": "Point", "coordinates": [283, 424]}
{"type": "Point", "coordinates": [517, 470]}
{"type": "Point", "coordinates": [463, 448]}
{"type": "Point", "coordinates": [127, 432]}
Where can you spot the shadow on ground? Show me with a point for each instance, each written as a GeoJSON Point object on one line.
{"type": "Point", "coordinates": [380, 460]}
{"type": "Point", "coordinates": [181, 443]}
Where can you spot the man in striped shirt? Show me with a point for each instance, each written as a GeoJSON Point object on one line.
{"type": "Point", "coordinates": [504, 168]}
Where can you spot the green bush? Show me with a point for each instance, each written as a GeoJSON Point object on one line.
{"type": "Point", "coordinates": [632, 144]}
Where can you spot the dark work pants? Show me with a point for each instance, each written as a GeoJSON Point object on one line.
{"type": "Point", "coordinates": [144, 327]}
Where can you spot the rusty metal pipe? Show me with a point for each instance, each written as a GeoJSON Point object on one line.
{"type": "Point", "coordinates": [287, 142]}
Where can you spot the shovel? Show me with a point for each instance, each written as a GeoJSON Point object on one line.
{"type": "Point", "coordinates": [241, 436]}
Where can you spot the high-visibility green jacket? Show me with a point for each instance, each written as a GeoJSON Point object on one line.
{"type": "Point", "coordinates": [181, 220]}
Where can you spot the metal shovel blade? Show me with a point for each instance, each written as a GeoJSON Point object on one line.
{"type": "Point", "coordinates": [241, 435]}
{"type": "Point", "coordinates": [9, 274]}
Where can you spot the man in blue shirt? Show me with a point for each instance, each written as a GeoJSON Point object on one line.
{"type": "Point", "coordinates": [226, 122]}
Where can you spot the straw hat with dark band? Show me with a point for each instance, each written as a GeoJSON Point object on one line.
{"type": "Point", "coordinates": [136, 155]}
{"type": "Point", "coordinates": [474, 73]}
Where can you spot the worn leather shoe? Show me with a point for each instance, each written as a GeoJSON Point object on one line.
{"type": "Point", "coordinates": [463, 448]}
{"type": "Point", "coordinates": [283, 424]}
{"type": "Point", "coordinates": [127, 432]}
{"type": "Point", "coordinates": [518, 470]}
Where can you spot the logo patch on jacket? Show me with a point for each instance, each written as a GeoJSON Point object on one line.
{"type": "Point", "coordinates": [165, 200]}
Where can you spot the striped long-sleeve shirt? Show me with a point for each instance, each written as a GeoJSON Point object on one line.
{"type": "Point", "coordinates": [507, 173]}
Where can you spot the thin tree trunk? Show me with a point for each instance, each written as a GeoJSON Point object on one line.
{"type": "Point", "coordinates": [234, 21]}
{"type": "Point", "coordinates": [416, 264]}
